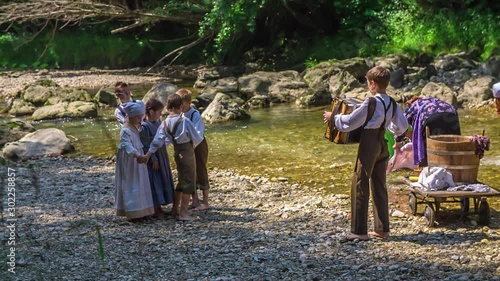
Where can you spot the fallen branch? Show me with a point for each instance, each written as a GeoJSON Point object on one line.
{"type": "Point", "coordinates": [179, 50]}
{"type": "Point", "coordinates": [75, 11]}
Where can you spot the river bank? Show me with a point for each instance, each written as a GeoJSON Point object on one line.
{"type": "Point", "coordinates": [12, 82]}
{"type": "Point", "coordinates": [258, 229]}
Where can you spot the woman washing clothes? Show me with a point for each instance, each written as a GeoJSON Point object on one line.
{"type": "Point", "coordinates": [421, 112]}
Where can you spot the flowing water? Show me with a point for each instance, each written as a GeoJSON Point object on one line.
{"type": "Point", "coordinates": [280, 142]}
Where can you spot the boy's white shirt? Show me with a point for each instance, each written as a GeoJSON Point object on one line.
{"type": "Point", "coordinates": [396, 124]}
{"type": "Point", "coordinates": [186, 132]}
{"type": "Point", "coordinates": [197, 121]}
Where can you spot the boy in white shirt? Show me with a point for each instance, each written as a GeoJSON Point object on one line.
{"type": "Point", "coordinates": [373, 154]}
{"type": "Point", "coordinates": [122, 91]}
{"type": "Point", "coordinates": [201, 152]}
{"type": "Point", "coordinates": [180, 132]}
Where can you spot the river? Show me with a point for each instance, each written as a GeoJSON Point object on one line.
{"type": "Point", "coordinates": [279, 142]}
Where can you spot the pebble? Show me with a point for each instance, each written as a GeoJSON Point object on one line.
{"type": "Point", "coordinates": [268, 232]}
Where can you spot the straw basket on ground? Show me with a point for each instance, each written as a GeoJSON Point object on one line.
{"type": "Point", "coordinates": [455, 153]}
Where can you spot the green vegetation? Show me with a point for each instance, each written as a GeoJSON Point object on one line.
{"type": "Point", "coordinates": [413, 29]}
{"type": "Point", "coordinates": [274, 34]}
{"type": "Point", "coordinates": [100, 244]}
{"type": "Point", "coordinates": [83, 47]}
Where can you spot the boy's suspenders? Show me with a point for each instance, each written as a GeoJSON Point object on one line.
{"type": "Point", "coordinates": [122, 111]}
{"type": "Point", "coordinates": [372, 104]}
{"type": "Point", "coordinates": [386, 109]}
{"type": "Point", "coordinates": [176, 125]}
{"type": "Point", "coordinates": [192, 114]}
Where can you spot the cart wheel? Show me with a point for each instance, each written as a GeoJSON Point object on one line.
{"type": "Point", "coordinates": [429, 215]}
{"type": "Point", "coordinates": [412, 203]}
{"type": "Point", "coordinates": [464, 205]}
{"type": "Point", "coordinates": [484, 213]}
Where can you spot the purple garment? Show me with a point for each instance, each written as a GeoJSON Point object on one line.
{"type": "Point", "coordinates": [417, 113]}
{"type": "Point", "coordinates": [161, 181]}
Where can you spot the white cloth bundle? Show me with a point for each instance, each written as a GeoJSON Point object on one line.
{"type": "Point", "coordinates": [436, 178]}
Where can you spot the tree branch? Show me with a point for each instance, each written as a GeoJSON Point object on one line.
{"type": "Point", "coordinates": [76, 11]}
{"type": "Point", "coordinates": [178, 50]}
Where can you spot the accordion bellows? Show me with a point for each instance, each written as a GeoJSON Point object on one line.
{"type": "Point", "coordinates": [342, 106]}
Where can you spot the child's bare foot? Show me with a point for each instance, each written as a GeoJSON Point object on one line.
{"type": "Point", "coordinates": [352, 237]}
{"type": "Point", "coordinates": [378, 234]}
{"type": "Point", "coordinates": [187, 218]}
{"type": "Point", "coordinates": [193, 206]}
{"type": "Point", "coordinates": [202, 207]}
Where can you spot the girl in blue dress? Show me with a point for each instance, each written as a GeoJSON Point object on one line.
{"type": "Point", "coordinates": [160, 174]}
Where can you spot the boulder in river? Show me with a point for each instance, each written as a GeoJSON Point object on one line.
{"type": "Point", "coordinates": [223, 108]}
{"type": "Point", "coordinates": [49, 141]}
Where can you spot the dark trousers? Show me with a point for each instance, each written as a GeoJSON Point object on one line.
{"type": "Point", "coordinates": [186, 167]}
{"type": "Point", "coordinates": [371, 164]}
{"type": "Point", "coordinates": [201, 154]}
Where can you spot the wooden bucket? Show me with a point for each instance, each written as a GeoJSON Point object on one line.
{"type": "Point", "coordinates": [455, 153]}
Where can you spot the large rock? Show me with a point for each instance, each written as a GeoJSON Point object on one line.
{"type": "Point", "coordinates": [341, 83]}
{"type": "Point", "coordinates": [160, 91]}
{"type": "Point", "coordinates": [440, 91]}
{"type": "Point", "coordinates": [69, 95]}
{"type": "Point", "coordinates": [453, 62]}
{"type": "Point", "coordinates": [223, 85]}
{"type": "Point", "coordinates": [477, 90]}
{"type": "Point", "coordinates": [77, 109]}
{"type": "Point", "coordinates": [40, 94]}
{"type": "Point", "coordinates": [492, 67]}
{"type": "Point", "coordinates": [211, 73]}
{"type": "Point", "coordinates": [254, 84]}
{"type": "Point", "coordinates": [317, 77]}
{"type": "Point", "coordinates": [284, 86]}
{"type": "Point", "coordinates": [398, 78]}
{"type": "Point", "coordinates": [258, 101]}
{"type": "Point", "coordinates": [39, 143]}
{"type": "Point", "coordinates": [202, 101]}
{"type": "Point", "coordinates": [314, 99]}
{"type": "Point", "coordinates": [223, 108]}
{"type": "Point", "coordinates": [106, 97]}
{"type": "Point", "coordinates": [390, 62]}
{"type": "Point", "coordinates": [20, 107]}
{"type": "Point", "coordinates": [357, 67]}
{"type": "Point", "coordinates": [359, 93]}
{"type": "Point", "coordinates": [13, 130]}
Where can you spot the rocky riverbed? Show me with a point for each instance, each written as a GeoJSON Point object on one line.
{"type": "Point", "coordinates": [258, 229]}
{"type": "Point", "coordinates": [12, 82]}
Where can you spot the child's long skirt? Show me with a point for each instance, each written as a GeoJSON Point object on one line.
{"type": "Point", "coordinates": [133, 197]}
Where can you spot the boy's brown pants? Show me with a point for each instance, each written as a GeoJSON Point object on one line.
{"type": "Point", "coordinates": [201, 154]}
{"type": "Point", "coordinates": [371, 164]}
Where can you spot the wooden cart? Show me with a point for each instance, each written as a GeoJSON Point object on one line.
{"type": "Point", "coordinates": [433, 199]}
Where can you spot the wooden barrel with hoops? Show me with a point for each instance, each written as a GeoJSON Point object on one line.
{"type": "Point", "coordinates": [455, 153]}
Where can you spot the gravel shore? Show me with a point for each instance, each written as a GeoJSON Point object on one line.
{"type": "Point", "coordinates": [86, 79]}
{"type": "Point", "coordinates": [258, 229]}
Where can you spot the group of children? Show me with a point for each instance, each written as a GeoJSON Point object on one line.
{"type": "Point", "coordinates": [141, 190]}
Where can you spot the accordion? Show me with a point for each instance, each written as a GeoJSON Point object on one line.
{"type": "Point", "coordinates": [342, 106]}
